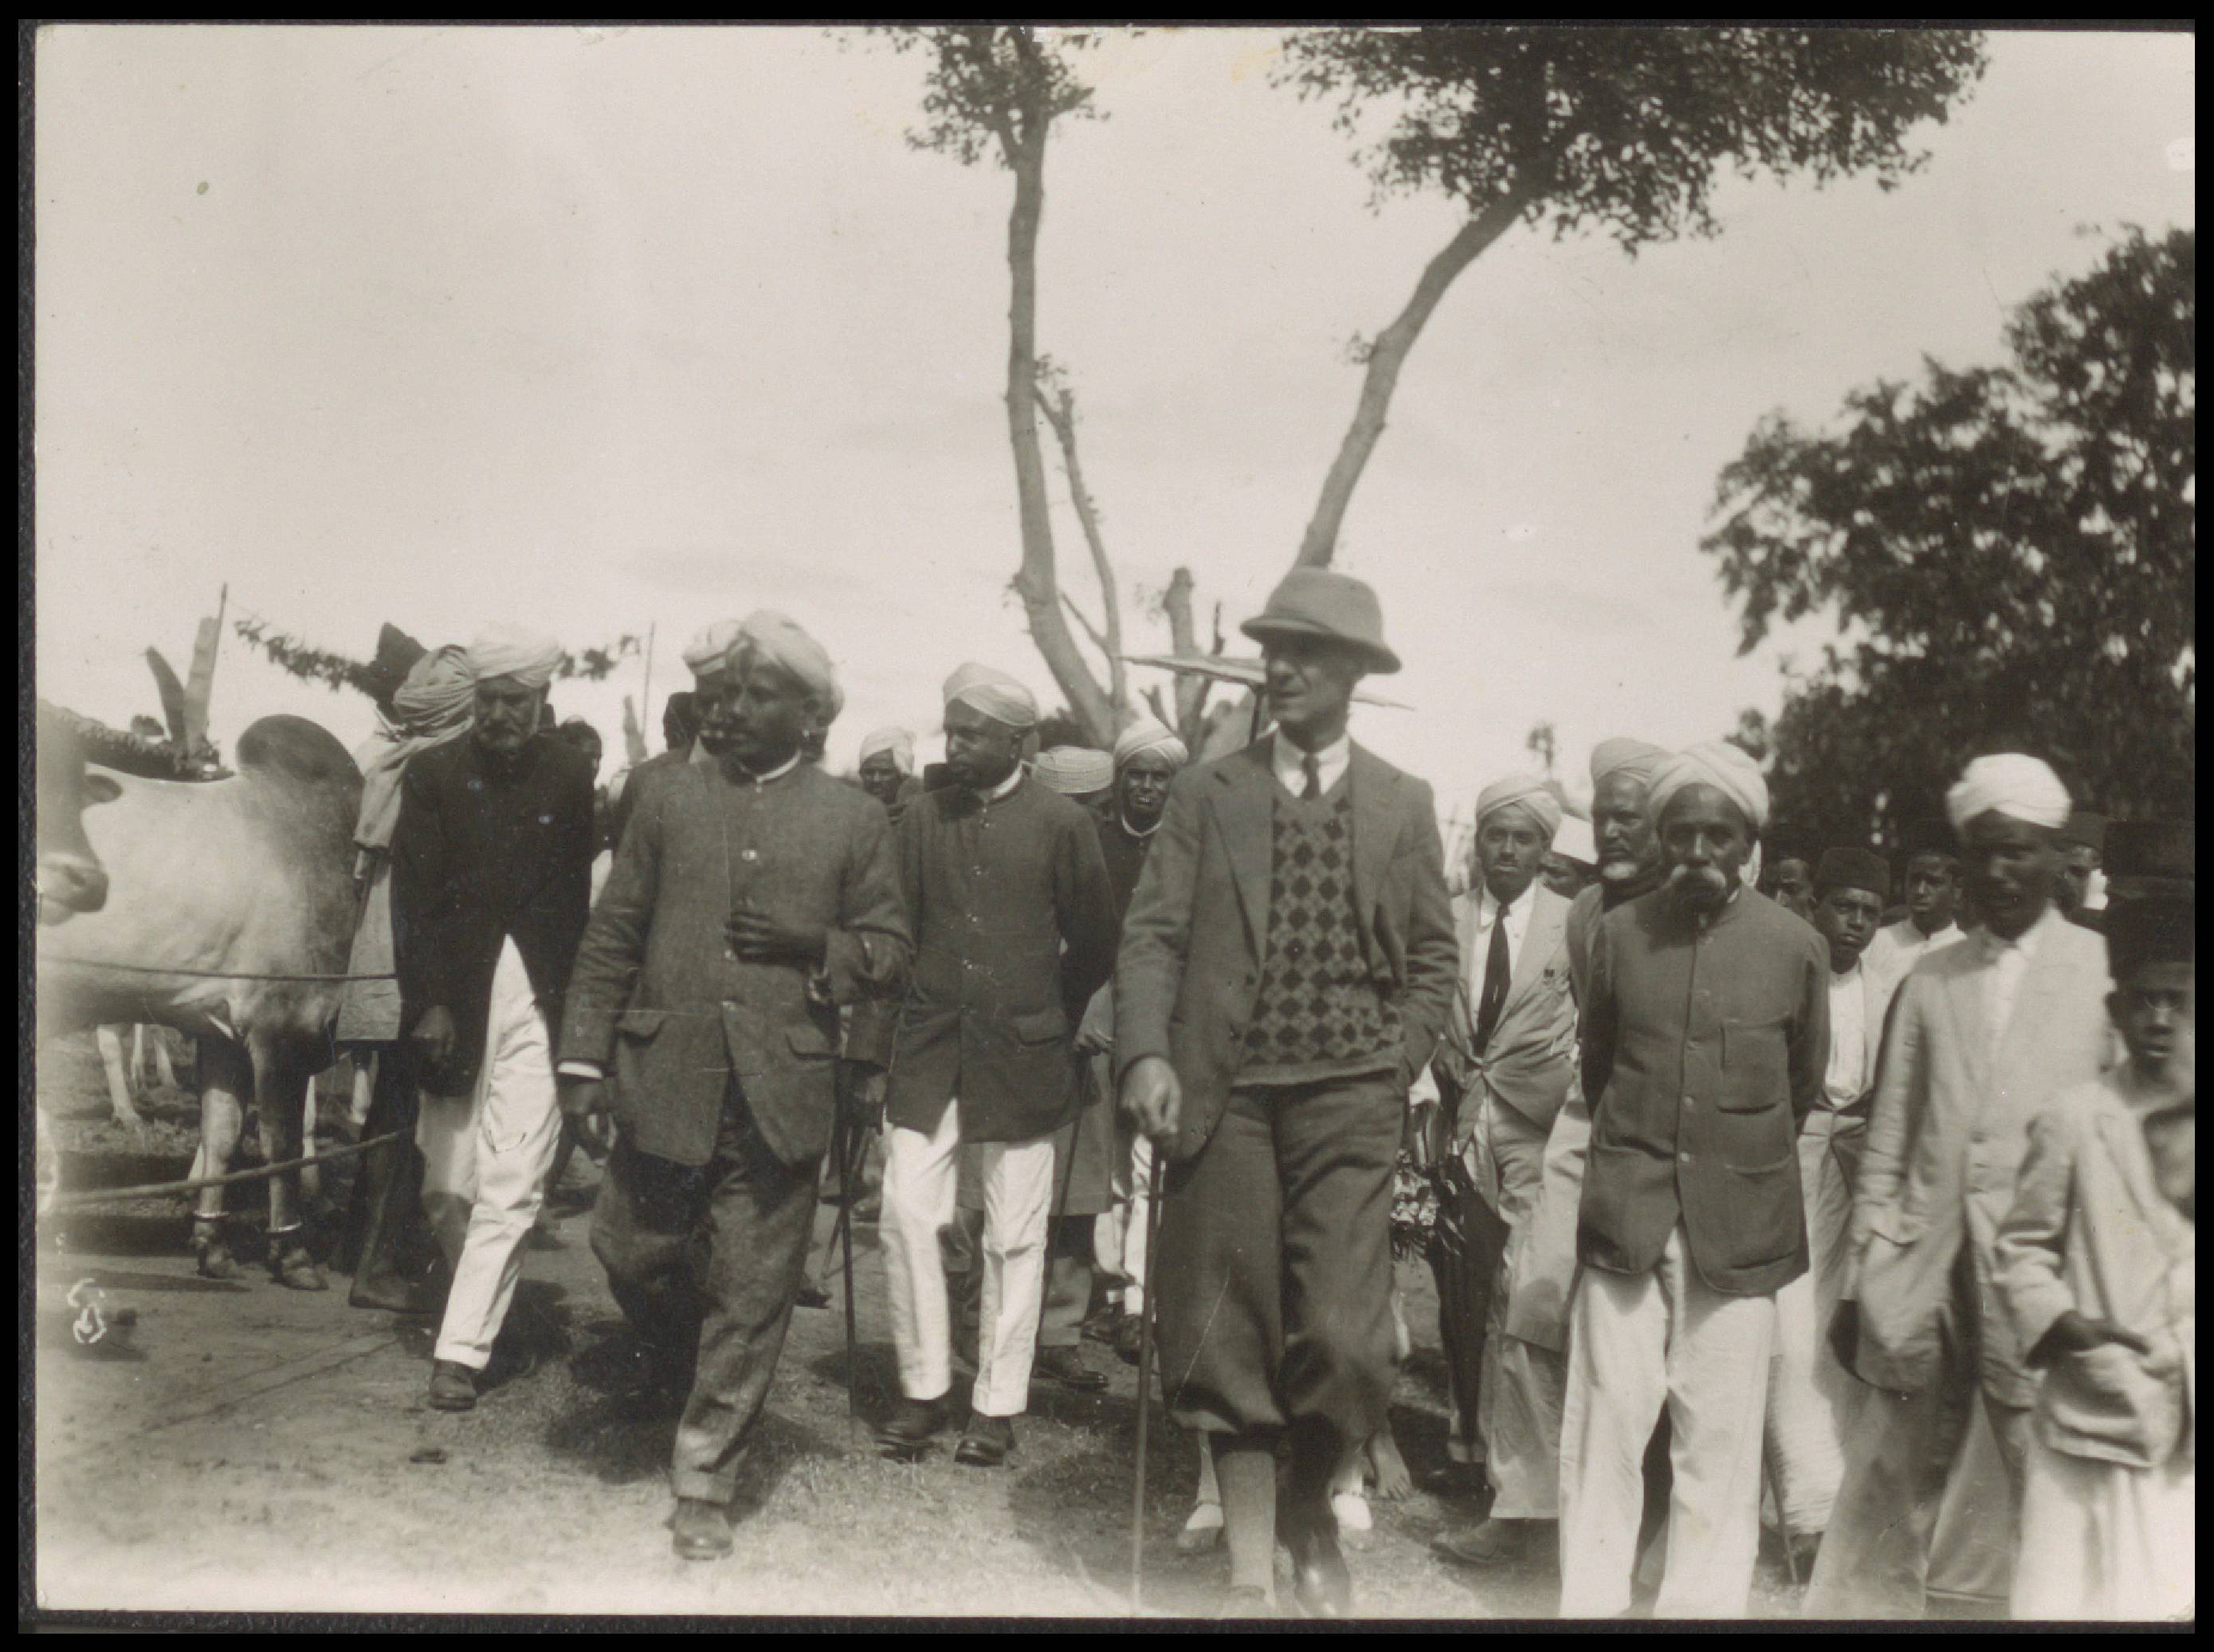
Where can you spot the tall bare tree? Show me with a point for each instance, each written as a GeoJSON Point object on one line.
{"type": "Point", "coordinates": [1623, 130]}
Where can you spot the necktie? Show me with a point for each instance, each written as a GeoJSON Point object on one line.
{"type": "Point", "coordinates": [1313, 770]}
{"type": "Point", "coordinates": [1495, 970]}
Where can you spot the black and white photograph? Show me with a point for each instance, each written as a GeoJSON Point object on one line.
{"type": "Point", "coordinates": [879, 825]}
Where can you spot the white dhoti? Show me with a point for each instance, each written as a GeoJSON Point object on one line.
{"type": "Point", "coordinates": [1811, 1397]}
{"type": "Point", "coordinates": [485, 1158]}
{"type": "Point", "coordinates": [2101, 1541]}
{"type": "Point", "coordinates": [1637, 1343]}
{"type": "Point", "coordinates": [920, 1174]}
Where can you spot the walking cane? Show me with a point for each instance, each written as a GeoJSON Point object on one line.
{"type": "Point", "coordinates": [1145, 1377]}
{"type": "Point", "coordinates": [849, 1175]}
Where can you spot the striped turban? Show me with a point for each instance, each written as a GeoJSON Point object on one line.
{"type": "Point", "coordinates": [1146, 735]}
{"type": "Point", "coordinates": [709, 652]}
{"type": "Point", "coordinates": [2009, 783]}
{"type": "Point", "coordinates": [770, 637]}
{"type": "Point", "coordinates": [510, 650]}
{"type": "Point", "coordinates": [1074, 771]}
{"type": "Point", "coordinates": [1528, 791]}
{"type": "Point", "coordinates": [1721, 764]}
{"type": "Point", "coordinates": [998, 695]}
{"type": "Point", "coordinates": [1643, 760]}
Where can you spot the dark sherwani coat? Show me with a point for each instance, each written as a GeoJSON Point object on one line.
{"type": "Point", "coordinates": [484, 851]}
{"type": "Point", "coordinates": [657, 996]}
{"type": "Point", "coordinates": [1014, 929]}
{"type": "Point", "coordinates": [1704, 1051]}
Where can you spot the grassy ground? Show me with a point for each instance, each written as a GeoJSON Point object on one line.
{"type": "Point", "coordinates": [254, 1447]}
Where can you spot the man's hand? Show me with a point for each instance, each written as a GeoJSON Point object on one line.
{"type": "Point", "coordinates": [585, 1104]}
{"type": "Point", "coordinates": [861, 1092]}
{"type": "Point", "coordinates": [1152, 1099]}
{"type": "Point", "coordinates": [2072, 1333]}
{"type": "Point", "coordinates": [758, 937]}
{"type": "Point", "coordinates": [433, 1038]}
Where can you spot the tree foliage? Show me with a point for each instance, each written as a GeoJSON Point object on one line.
{"type": "Point", "coordinates": [1623, 131]}
{"type": "Point", "coordinates": [334, 671]}
{"type": "Point", "coordinates": [2008, 551]}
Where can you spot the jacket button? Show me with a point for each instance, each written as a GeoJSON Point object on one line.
{"type": "Point", "coordinates": [1690, 1101]}
{"type": "Point", "coordinates": [1683, 1158]}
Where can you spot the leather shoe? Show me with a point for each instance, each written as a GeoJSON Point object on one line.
{"type": "Point", "coordinates": [453, 1387]}
{"type": "Point", "coordinates": [1492, 1543]}
{"type": "Point", "coordinates": [808, 1296]}
{"type": "Point", "coordinates": [985, 1442]}
{"type": "Point", "coordinates": [699, 1530]}
{"type": "Point", "coordinates": [906, 1432]}
{"type": "Point", "coordinates": [1065, 1366]}
{"type": "Point", "coordinates": [1126, 1337]}
{"type": "Point", "coordinates": [1320, 1581]}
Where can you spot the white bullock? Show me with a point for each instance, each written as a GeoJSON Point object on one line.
{"type": "Point", "coordinates": [226, 900]}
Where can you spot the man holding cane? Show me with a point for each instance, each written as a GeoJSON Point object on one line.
{"type": "Point", "coordinates": [750, 898]}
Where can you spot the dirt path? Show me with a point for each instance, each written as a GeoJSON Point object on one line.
{"type": "Point", "coordinates": [265, 1448]}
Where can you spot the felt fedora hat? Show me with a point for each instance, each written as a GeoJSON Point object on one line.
{"type": "Point", "coordinates": [1318, 603]}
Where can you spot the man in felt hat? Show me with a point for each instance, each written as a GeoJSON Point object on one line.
{"type": "Point", "coordinates": [2097, 1268]}
{"type": "Point", "coordinates": [1810, 1394]}
{"type": "Point", "coordinates": [1287, 963]}
{"type": "Point", "coordinates": [2081, 893]}
{"type": "Point", "coordinates": [1014, 931]}
{"type": "Point", "coordinates": [1504, 1066]}
{"type": "Point", "coordinates": [491, 866]}
{"type": "Point", "coordinates": [1933, 902]}
{"type": "Point", "coordinates": [1983, 1035]}
{"type": "Point", "coordinates": [750, 899]}
{"type": "Point", "coordinates": [1705, 1036]}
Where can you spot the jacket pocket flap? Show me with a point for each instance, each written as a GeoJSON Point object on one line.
{"type": "Point", "coordinates": [1039, 1025]}
{"type": "Point", "coordinates": [808, 1039]}
{"type": "Point", "coordinates": [640, 1023]}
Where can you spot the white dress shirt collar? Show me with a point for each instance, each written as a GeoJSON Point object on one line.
{"type": "Point", "coordinates": [1005, 788]}
{"type": "Point", "coordinates": [1290, 762]}
{"type": "Point", "coordinates": [777, 773]}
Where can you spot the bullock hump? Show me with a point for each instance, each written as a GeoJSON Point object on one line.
{"type": "Point", "coordinates": [295, 746]}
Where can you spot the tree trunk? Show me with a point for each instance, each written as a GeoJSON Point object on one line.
{"type": "Point", "coordinates": [1191, 688]}
{"type": "Point", "coordinates": [1386, 357]}
{"type": "Point", "coordinates": [1035, 582]}
{"type": "Point", "coordinates": [1062, 417]}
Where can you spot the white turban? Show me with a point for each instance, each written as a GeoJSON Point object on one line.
{"type": "Point", "coordinates": [1074, 771]}
{"type": "Point", "coordinates": [509, 651]}
{"type": "Point", "coordinates": [898, 742]}
{"type": "Point", "coordinates": [2010, 783]}
{"type": "Point", "coordinates": [769, 636]}
{"type": "Point", "coordinates": [1574, 840]}
{"type": "Point", "coordinates": [1721, 764]}
{"type": "Point", "coordinates": [1641, 759]}
{"type": "Point", "coordinates": [995, 693]}
{"type": "Point", "coordinates": [709, 650]}
{"type": "Point", "coordinates": [1147, 734]}
{"type": "Point", "coordinates": [1528, 791]}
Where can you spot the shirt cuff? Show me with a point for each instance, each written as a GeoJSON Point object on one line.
{"type": "Point", "coordinates": [580, 1070]}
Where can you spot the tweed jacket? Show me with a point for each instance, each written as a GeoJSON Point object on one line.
{"type": "Point", "coordinates": [1528, 1063]}
{"type": "Point", "coordinates": [1014, 931]}
{"type": "Point", "coordinates": [483, 852]}
{"type": "Point", "coordinates": [1703, 1050]}
{"type": "Point", "coordinates": [2089, 1231]}
{"type": "Point", "coordinates": [1197, 930]}
{"type": "Point", "coordinates": [1945, 1142]}
{"type": "Point", "coordinates": [656, 996]}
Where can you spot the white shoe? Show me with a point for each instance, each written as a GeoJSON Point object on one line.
{"type": "Point", "coordinates": [1203, 1531]}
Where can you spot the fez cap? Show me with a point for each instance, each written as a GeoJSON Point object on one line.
{"type": "Point", "coordinates": [1854, 869]}
{"type": "Point", "coordinates": [1323, 603]}
{"type": "Point", "coordinates": [2151, 849]}
{"type": "Point", "coordinates": [2084, 831]}
{"type": "Point", "coordinates": [1929, 835]}
{"type": "Point", "coordinates": [2151, 929]}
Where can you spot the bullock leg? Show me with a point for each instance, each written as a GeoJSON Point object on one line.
{"type": "Point", "coordinates": [281, 1085]}
{"type": "Point", "coordinates": [226, 1081]}
{"type": "Point", "coordinates": [162, 1062]}
{"type": "Point", "coordinates": [110, 1040]}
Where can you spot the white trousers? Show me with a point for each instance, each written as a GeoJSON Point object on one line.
{"type": "Point", "coordinates": [2101, 1541]}
{"type": "Point", "coordinates": [1811, 1397]}
{"type": "Point", "coordinates": [1118, 1234]}
{"type": "Point", "coordinates": [920, 1185]}
{"type": "Point", "coordinates": [485, 1159]}
{"type": "Point", "coordinates": [1637, 1343]}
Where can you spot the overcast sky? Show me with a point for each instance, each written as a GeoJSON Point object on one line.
{"type": "Point", "coordinates": [592, 329]}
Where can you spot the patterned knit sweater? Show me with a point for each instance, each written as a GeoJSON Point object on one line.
{"type": "Point", "coordinates": [1317, 1014]}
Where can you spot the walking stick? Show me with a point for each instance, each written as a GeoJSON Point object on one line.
{"type": "Point", "coordinates": [849, 1174]}
{"type": "Point", "coordinates": [1145, 1377]}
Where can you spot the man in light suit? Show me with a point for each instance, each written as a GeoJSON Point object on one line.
{"type": "Point", "coordinates": [1287, 964]}
{"type": "Point", "coordinates": [1984, 1036]}
{"type": "Point", "coordinates": [1506, 1062]}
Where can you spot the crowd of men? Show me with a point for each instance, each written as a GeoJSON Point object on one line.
{"type": "Point", "coordinates": [1742, 1206]}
